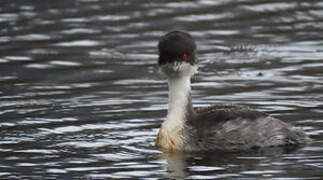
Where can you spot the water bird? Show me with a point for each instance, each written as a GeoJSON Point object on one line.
{"type": "Point", "coordinates": [219, 127]}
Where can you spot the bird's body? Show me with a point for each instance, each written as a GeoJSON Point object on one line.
{"type": "Point", "coordinates": [218, 127]}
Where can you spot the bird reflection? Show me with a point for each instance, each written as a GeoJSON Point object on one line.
{"type": "Point", "coordinates": [181, 165]}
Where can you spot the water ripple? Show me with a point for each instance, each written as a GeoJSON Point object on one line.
{"type": "Point", "coordinates": [79, 43]}
{"type": "Point", "coordinates": [81, 96]}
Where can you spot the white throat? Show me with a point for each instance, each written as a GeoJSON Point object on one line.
{"type": "Point", "coordinates": [179, 96]}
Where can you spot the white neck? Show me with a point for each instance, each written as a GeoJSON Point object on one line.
{"type": "Point", "coordinates": [179, 105]}
{"type": "Point", "coordinates": [178, 101]}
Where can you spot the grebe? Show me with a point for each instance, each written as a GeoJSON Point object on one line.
{"type": "Point", "coordinates": [219, 127]}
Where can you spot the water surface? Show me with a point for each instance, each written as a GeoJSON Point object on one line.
{"type": "Point", "coordinates": [81, 97]}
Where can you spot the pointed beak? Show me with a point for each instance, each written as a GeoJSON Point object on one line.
{"type": "Point", "coordinates": [176, 65]}
{"type": "Point", "coordinates": [171, 68]}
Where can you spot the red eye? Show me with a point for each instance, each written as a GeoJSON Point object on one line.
{"type": "Point", "coordinates": [166, 57]}
{"type": "Point", "coordinates": [184, 57]}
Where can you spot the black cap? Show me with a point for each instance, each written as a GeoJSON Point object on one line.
{"type": "Point", "coordinates": [176, 46]}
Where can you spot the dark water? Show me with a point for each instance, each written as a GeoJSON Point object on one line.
{"type": "Point", "coordinates": [80, 96]}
